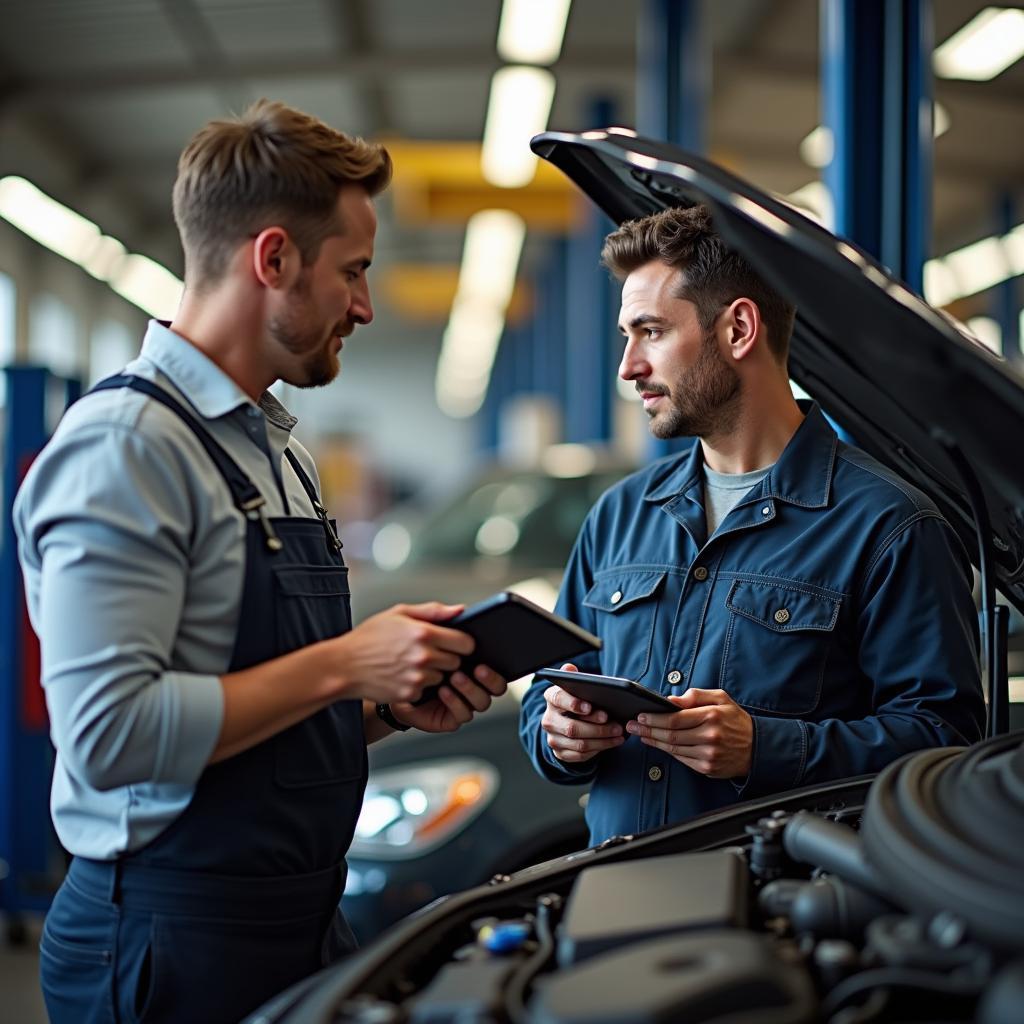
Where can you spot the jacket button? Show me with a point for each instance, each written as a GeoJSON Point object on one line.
{"type": "Point", "coordinates": [617, 597]}
{"type": "Point", "coordinates": [700, 573]}
{"type": "Point", "coordinates": [767, 510]}
{"type": "Point", "coordinates": [654, 773]}
{"type": "Point", "coordinates": [675, 676]}
{"type": "Point", "coordinates": [782, 615]}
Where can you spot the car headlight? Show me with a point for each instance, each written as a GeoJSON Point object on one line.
{"type": "Point", "coordinates": [410, 810]}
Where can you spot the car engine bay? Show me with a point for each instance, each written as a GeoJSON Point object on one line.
{"type": "Point", "coordinates": [900, 899]}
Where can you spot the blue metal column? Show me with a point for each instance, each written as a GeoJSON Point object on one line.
{"type": "Point", "coordinates": [673, 73]}
{"type": "Point", "coordinates": [877, 99]}
{"type": "Point", "coordinates": [589, 352]}
{"type": "Point", "coordinates": [673, 85]}
{"type": "Point", "coordinates": [1006, 297]}
{"type": "Point", "coordinates": [29, 854]}
{"type": "Point", "coordinates": [548, 330]}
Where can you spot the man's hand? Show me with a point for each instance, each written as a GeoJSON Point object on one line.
{"type": "Point", "coordinates": [576, 730]}
{"type": "Point", "coordinates": [449, 711]}
{"type": "Point", "coordinates": [710, 733]}
{"type": "Point", "coordinates": [393, 655]}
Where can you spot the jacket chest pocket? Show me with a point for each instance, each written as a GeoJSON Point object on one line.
{"type": "Point", "coordinates": [312, 603]}
{"type": "Point", "coordinates": [777, 642]}
{"type": "Point", "coordinates": [626, 605]}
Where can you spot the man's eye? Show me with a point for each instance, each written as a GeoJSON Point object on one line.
{"type": "Point", "coordinates": [652, 332]}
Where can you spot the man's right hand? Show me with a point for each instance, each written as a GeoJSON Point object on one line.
{"type": "Point", "coordinates": [393, 655]}
{"type": "Point", "coordinates": [576, 730]}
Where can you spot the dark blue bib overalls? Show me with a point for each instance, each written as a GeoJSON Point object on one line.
{"type": "Point", "coordinates": [238, 897]}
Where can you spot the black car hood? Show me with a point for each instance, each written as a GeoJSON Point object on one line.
{"type": "Point", "coordinates": [883, 363]}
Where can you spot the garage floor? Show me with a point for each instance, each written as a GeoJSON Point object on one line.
{"type": "Point", "coordinates": [21, 1001]}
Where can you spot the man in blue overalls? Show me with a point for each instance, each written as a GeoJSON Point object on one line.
{"type": "Point", "coordinates": [210, 701]}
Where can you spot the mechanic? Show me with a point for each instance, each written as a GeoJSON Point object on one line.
{"type": "Point", "coordinates": [807, 611]}
{"type": "Point", "coordinates": [210, 701]}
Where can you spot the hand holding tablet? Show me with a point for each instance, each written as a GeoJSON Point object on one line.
{"type": "Point", "coordinates": [622, 699]}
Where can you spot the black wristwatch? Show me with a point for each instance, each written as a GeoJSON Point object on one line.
{"type": "Point", "coordinates": [387, 716]}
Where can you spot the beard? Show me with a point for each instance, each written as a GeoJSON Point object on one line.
{"type": "Point", "coordinates": [704, 401]}
{"type": "Point", "coordinates": [296, 332]}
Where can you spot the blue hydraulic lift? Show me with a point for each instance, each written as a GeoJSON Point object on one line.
{"type": "Point", "coordinates": [30, 857]}
{"type": "Point", "coordinates": [877, 101]}
{"type": "Point", "coordinates": [672, 90]}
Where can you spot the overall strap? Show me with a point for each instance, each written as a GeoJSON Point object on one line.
{"type": "Point", "coordinates": [244, 492]}
{"type": "Point", "coordinates": [333, 540]}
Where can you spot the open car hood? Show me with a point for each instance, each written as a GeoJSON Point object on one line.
{"type": "Point", "coordinates": [882, 363]}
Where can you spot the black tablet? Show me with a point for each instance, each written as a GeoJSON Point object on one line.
{"type": "Point", "coordinates": [515, 637]}
{"type": "Point", "coordinates": [621, 698]}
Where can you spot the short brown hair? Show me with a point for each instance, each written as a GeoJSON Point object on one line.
{"type": "Point", "coordinates": [271, 165]}
{"type": "Point", "coordinates": [714, 275]}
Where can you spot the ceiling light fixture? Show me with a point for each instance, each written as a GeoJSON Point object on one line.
{"type": "Point", "coordinates": [531, 31]}
{"type": "Point", "coordinates": [988, 44]}
{"type": "Point", "coordinates": [518, 109]}
{"type": "Point", "coordinates": [140, 280]}
{"type": "Point", "coordinates": [974, 268]}
{"type": "Point", "coordinates": [487, 277]}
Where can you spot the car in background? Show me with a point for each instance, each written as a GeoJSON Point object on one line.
{"type": "Point", "coordinates": [445, 812]}
{"type": "Point", "coordinates": [509, 528]}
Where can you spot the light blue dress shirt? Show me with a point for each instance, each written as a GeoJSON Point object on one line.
{"type": "Point", "coordinates": [133, 557]}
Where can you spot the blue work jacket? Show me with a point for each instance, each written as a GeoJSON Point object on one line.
{"type": "Point", "coordinates": [833, 603]}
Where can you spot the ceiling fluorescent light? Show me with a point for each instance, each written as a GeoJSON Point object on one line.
{"type": "Point", "coordinates": [50, 223]}
{"type": "Point", "coordinates": [490, 262]}
{"type": "Point", "coordinates": [940, 287]}
{"type": "Point", "coordinates": [140, 280]}
{"type": "Point", "coordinates": [531, 31]}
{"type": "Point", "coordinates": [490, 256]}
{"type": "Point", "coordinates": [518, 109]}
{"type": "Point", "coordinates": [815, 201]}
{"type": "Point", "coordinates": [988, 332]}
{"type": "Point", "coordinates": [467, 356]}
{"type": "Point", "coordinates": [817, 147]}
{"type": "Point", "coordinates": [148, 285]}
{"type": "Point", "coordinates": [979, 266]}
{"type": "Point", "coordinates": [985, 46]}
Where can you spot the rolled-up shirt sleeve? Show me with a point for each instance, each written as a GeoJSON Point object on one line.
{"type": "Point", "coordinates": [104, 522]}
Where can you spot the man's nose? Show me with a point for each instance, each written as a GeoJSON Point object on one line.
{"type": "Point", "coordinates": [632, 365]}
{"type": "Point", "coordinates": [360, 310]}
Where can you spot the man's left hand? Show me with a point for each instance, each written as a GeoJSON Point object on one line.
{"type": "Point", "coordinates": [710, 733]}
{"type": "Point", "coordinates": [449, 711]}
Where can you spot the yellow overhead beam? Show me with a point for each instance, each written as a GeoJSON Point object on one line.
{"type": "Point", "coordinates": [441, 182]}
{"type": "Point", "coordinates": [424, 292]}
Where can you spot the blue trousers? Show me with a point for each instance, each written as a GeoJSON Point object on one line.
{"type": "Point", "coordinates": [126, 946]}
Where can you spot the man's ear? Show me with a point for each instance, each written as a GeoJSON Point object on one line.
{"type": "Point", "coordinates": [274, 258]}
{"type": "Point", "coordinates": [742, 322]}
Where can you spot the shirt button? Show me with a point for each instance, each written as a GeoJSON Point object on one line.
{"type": "Point", "coordinates": [654, 773]}
{"type": "Point", "coordinates": [700, 573]}
{"type": "Point", "coordinates": [253, 411]}
{"type": "Point", "coordinates": [782, 615]}
{"type": "Point", "coordinates": [767, 510]}
{"type": "Point", "coordinates": [617, 597]}
{"type": "Point", "coordinates": [675, 676]}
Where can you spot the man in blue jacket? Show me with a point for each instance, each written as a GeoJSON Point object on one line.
{"type": "Point", "coordinates": [807, 611]}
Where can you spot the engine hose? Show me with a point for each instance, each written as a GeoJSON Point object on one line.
{"type": "Point", "coordinates": [519, 982]}
{"type": "Point", "coordinates": [944, 829]}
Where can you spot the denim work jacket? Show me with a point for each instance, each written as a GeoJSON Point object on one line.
{"type": "Point", "coordinates": [833, 604]}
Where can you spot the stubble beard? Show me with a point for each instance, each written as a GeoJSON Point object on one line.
{"type": "Point", "coordinates": [703, 402]}
{"type": "Point", "coordinates": [293, 332]}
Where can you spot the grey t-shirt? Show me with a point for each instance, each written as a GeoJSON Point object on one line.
{"type": "Point", "coordinates": [723, 491]}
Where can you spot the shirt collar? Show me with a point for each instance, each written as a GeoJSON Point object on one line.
{"type": "Point", "coordinates": [802, 475]}
{"type": "Point", "coordinates": [206, 386]}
